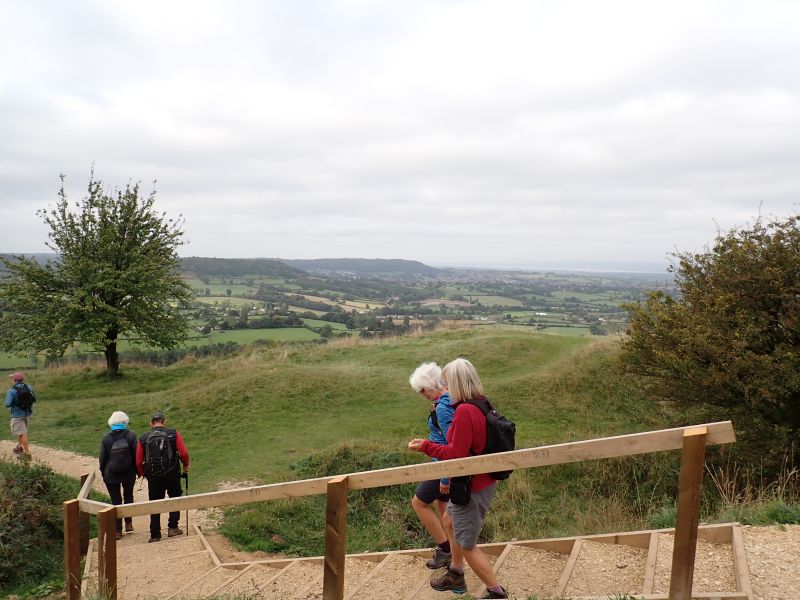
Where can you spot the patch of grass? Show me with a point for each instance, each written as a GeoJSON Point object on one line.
{"type": "Point", "coordinates": [31, 528]}
{"type": "Point", "coordinates": [377, 518]}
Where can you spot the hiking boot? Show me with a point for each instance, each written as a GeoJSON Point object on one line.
{"type": "Point", "coordinates": [173, 531]}
{"type": "Point", "coordinates": [440, 559]}
{"type": "Point", "coordinates": [154, 539]}
{"type": "Point", "coordinates": [491, 594]}
{"type": "Point", "coordinates": [18, 450]}
{"type": "Point", "coordinates": [128, 526]}
{"type": "Point", "coordinates": [450, 582]}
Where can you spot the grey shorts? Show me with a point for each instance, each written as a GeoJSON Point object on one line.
{"type": "Point", "coordinates": [468, 519]}
{"type": "Point", "coordinates": [19, 425]}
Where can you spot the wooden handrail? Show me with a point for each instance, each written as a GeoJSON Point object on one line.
{"type": "Point", "coordinates": [609, 447]}
{"type": "Point", "coordinates": [87, 486]}
{"type": "Point", "coordinates": [692, 440]}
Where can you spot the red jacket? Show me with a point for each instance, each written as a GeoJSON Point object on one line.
{"type": "Point", "coordinates": [466, 437]}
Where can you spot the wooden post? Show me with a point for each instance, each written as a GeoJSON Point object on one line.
{"type": "Point", "coordinates": [83, 524]}
{"type": "Point", "coordinates": [690, 488]}
{"type": "Point", "coordinates": [72, 550]}
{"type": "Point", "coordinates": [107, 553]}
{"type": "Point", "coordinates": [335, 539]}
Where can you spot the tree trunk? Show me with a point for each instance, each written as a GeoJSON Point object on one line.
{"type": "Point", "coordinates": [112, 359]}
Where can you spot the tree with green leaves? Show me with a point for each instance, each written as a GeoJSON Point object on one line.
{"type": "Point", "coordinates": [115, 276]}
{"type": "Point", "coordinates": [729, 343]}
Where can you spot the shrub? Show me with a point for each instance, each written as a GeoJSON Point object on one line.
{"type": "Point", "coordinates": [31, 527]}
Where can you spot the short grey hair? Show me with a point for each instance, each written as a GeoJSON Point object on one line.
{"type": "Point", "coordinates": [462, 380]}
{"type": "Point", "coordinates": [118, 418]}
{"type": "Point", "coordinates": [427, 375]}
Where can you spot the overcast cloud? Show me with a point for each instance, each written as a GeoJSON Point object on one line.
{"type": "Point", "coordinates": [486, 133]}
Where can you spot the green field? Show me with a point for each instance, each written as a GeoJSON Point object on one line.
{"type": "Point", "coordinates": [229, 300]}
{"type": "Point", "coordinates": [300, 310]}
{"type": "Point", "coordinates": [240, 336]}
{"type": "Point", "coordinates": [9, 360]}
{"type": "Point", "coordinates": [495, 300]}
{"type": "Point", "coordinates": [580, 331]}
{"type": "Point", "coordinates": [247, 336]}
{"type": "Point", "coordinates": [319, 323]}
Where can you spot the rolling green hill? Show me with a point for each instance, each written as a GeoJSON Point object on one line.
{"type": "Point", "coordinates": [295, 411]}
{"type": "Point", "coordinates": [252, 415]}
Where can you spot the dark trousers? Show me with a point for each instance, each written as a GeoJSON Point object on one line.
{"type": "Point", "coordinates": [119, 490]}
{"type": "Point", "coordinates": [157, 489]}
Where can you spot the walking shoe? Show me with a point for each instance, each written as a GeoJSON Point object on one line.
{"type": "Point", "coordinates": [128, 526]}
{"type": "Point", "coordinates": [491, 594]}
{"type": "Point", "coordinates": [449, 582]}
{"type": "Point", "coordinates": [173, 531]}
{"type": "Point", "coordinates": [440, 559]}
{"type": "Point", "coordinates": [154, 539]}
{"type": "Point", "coordinates": [18, 450]}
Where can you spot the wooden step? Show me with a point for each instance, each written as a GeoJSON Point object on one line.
{"type": "Point", "coordinates": [357, 571]}
{"type": "Point", "coordinates": [205, 585]}
{"type": "Point", "coordinates": [248, 582]}
{"type": "Point", "coordinates": [393, 578]}
{"type": "Point", "coordinates": [714, 566]}
{"type": "Point", "coordinates": [284, 586]}
{"type": "Point", "coordinates": [531, 572]}
{"type": "Point", "coordinates": [602, 569]}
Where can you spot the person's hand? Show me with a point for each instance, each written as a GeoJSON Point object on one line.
{"type": "Point", "coordinates": [186, 469]}
{"type": "Point", "coordinates": [416, 444]}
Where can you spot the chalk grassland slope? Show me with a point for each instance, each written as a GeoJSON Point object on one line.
{"type": "Point", "coordinates": [252, 415]}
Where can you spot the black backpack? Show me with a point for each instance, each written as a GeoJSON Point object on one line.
{"type": "Point", "coordinates": [25, 397]}
{"type": "Point", "coordinates": [500, 433]}
{"type": "Point", "coordinates": [159, 455]}
{"type": "Point", "coordinates": [119, 457]}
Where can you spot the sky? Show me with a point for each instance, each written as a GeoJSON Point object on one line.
{"type": "Point", "coordinates": [489, 133]}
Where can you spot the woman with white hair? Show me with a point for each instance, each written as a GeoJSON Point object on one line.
{"type": "Point", "coordinates": [427, 381]}
{"type": "Point", "coordinates": [465, 515]}
{"type": "Point", "coordinates": [118, 464]}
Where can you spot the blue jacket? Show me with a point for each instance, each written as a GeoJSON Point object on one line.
{"type": "Point", "coordinates": [11, 397]}
{"type": "Point", "coordinates": [444, 414]}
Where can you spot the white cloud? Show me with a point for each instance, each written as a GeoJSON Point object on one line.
{"type": "Point", "coordinates": [484, 132]}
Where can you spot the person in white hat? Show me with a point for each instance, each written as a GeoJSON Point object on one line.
{"type": "Point", "coordinates": [118, 463]}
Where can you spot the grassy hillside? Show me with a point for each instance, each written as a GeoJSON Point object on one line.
{"type": "Point", "coordinates": [251, 416]}
{"type": "Point", "coordinates": [306, 410]}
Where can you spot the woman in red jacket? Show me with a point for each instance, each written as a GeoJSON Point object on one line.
{"type": "Point", "coordinates": [463, 522]}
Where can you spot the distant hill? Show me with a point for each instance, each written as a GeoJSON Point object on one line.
{"type": "Point", "coordinates": [237, 267]}
{"type": "Point", "coordinates": [365, 267]}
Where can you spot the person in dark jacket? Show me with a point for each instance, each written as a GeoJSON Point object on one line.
{"type": "Point", "coordinates": [118, 464]}
{"type": "Point", "coordinates": [163, 477]}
